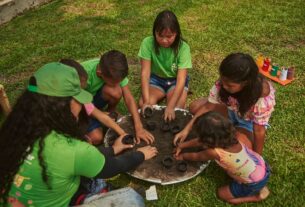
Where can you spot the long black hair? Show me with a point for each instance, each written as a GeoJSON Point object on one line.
{"type": "Point", "coordinates": [33, 117]}
{"type": "Point", "coordinates": [167, 20]}
{"type": "Point", "coordinates": [214, 130]}
{"type": "Point", "coordinates": [241, 68]}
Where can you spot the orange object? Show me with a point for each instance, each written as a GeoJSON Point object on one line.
{"type": "Point", "coordinates": [260, 61]}
{"type": "Point", "coordinates": [275, 78]}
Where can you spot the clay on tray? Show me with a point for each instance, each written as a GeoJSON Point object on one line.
{"type": "Point", "coordinates": [151, 125]}
{"type": "Point", "coordinates": [181, 166]}
{"type": "Point", "coordinates": [175, 129]}
{"type": "Point", "coordinates": [128, 139]}
{"type": "Point", "coordinates": [148, 112]}
{"type": "Point", "coordinates": [168, 162]}
{"type": "Point", "coordinates": [165, 126]}
{"type": "Point", "coordinates": [113, 115]}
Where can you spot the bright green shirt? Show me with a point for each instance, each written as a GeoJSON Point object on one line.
{"type": "Point", "coordinates": [165, 64]}
{"type": "Point", "coordinates": [66, 159]}
{"type": "Point", "coordinates": [94, 83]}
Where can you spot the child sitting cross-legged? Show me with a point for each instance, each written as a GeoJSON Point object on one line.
{"type": "Point", "coordinates": [248, 169]}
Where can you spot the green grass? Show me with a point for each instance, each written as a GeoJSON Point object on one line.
{"type": "Point", "coordinates": [83, 29]}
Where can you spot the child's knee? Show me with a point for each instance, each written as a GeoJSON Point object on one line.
{"type": "Point", "coordinates": [95, 136]}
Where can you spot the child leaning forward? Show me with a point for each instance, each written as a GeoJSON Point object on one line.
{"type": "Point", "coordinates": [248, 169]}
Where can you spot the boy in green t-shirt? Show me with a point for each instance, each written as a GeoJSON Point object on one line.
{"type": "Point", "coordinates": [108, 82]}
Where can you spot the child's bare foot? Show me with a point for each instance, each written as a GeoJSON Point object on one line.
{"type": "Point", "coordinates": [264, 193]}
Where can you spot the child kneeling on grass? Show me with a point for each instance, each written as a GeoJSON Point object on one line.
{"type": "Point", "coordinates": [248, 169]}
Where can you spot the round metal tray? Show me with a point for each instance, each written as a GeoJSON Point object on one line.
{"type": "Point", "coordinates": [152, 170]}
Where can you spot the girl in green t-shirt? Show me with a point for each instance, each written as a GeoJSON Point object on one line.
{"type": "Point", "coordinates": [165, 58]}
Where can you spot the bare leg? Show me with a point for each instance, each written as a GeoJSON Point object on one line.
{"type": "Point", "coordinates": [244, 136]}
{"type": "Point", "coordinates": [181, 103]}
{"type": "Point", "coordinates": [155, 95]}
{"type": "Point", "coordinates": [112, 95]}
{"type": "Point", "coordinates": [225, 194]}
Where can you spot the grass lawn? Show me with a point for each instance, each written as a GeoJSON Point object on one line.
{"type": "Point", "coordinates": [83, 29]}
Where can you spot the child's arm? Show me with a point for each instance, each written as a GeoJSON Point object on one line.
{"type": "Point", "coordinates": [141, 133]}
{"type": "Point", "coordinates": [191, 143]}
{"type": "Point", "coordinates": [259, 133]}
{"type": "Point", "coordinates": [169, 113]}
{"type": "Point", "coordinates": [145, 76]}
{"type": "Point", "coordinates": [205, 155]}
{"type": "Point", "coordinates": [183, 134]}
{"type": "Point", "coordinates": [102, 117]}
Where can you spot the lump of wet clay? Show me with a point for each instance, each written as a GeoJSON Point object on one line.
{"type": "Point", "coordinates": [114, 115]}
{"type": "Point", "coordinates": [151, 125]}
{"type": "Point", "coordinates": [182, 166]}
{"type": "Point", "coordinates": [168, 162]}
{"type": "Point", "coordinates": [148, 112]}
{"type": "Point", "coordinates": [175, 129]}
{"type": "Point", "coordinates": [128, 139]}
{"type": "Point", "coordinates": [165, 127]}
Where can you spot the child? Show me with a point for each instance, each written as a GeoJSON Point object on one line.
{"type": "Point", "coordinates": [44, 155]}
{"type": "Point", "coordinates": [108, 82]}
{"type": "Point", "coordinates": [248, 169]}
{"type": "Point", "coordinates": [165, 60]}
{"type": "Point", "coordinates": [90, 109]}
{"type": "Point", "coordinates": [243, 95]}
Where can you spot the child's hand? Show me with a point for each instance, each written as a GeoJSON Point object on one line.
{"type": "Point", "coordinates": [148, 151]}
{"type": "Point", "coordinates": [180, 137]}
{"type": "Point", "coordinates": [145, 105]}
{"type": "Point", "coordinates": [142, 133]}
{"type": "Point", "coordinates": [118, 145]}
{"type": "Point", "coordinates": [179, 157]}
{"type": "Point", "coordinates": [177, 151]}
{"type": "Point", "coordinates": [169, 114]}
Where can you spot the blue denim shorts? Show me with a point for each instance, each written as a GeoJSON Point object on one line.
{"type": "Point", "coordinates": [246, 189]}
{"type": "Point", "coordinates": [239, 122]}
{"type": "Point", "coordinates": [100, 103]}
{"type": "Point", "coordinates": [166, 84]}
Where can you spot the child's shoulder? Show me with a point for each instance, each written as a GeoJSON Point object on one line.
{"type": "Point", "coordinates": [91, 61]}
{"type": "Point", "coordinates": [148, 40]}
{"type": "Point", "coordinates": [267, 88]}
{"type": "Point", "coordinates": [184, 44]}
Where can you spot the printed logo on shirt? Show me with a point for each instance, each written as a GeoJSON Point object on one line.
{"type": "Point", "coordinates": [174, 67]}
{"type": "Point", "coordinates": [18, 180]}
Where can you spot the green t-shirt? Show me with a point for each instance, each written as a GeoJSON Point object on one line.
{"type": "Point", "coordinates": [66, 159]}
{"type": "Point", "coordinates": [94, 83]}
{"type": "Point", "coordinates": [165, 64]}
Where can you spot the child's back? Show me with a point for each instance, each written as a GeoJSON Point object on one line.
{"type": "Point", "coordinates": [244, 166]}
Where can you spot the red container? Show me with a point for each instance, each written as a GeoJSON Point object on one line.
{"type": "Point", "coordinates": [266, 64]}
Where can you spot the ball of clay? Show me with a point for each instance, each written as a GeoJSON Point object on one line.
{"type": "Point", "coordinates": [128, 139]}
{"type": "Point", "coordinates": [168, 162]}
{"type": "Point", "coordinates": [165, 126]}
{"type": "Point", "coordinates": [151, 125]}
{"type": "Point", "coordinates": [113, 115]}
{"type": "Point", "coordinates": [182, 166]}
{"type": "Point", "coordinates": [175, 129]}
{"type": "Point", "coordinates": [148, 112]}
